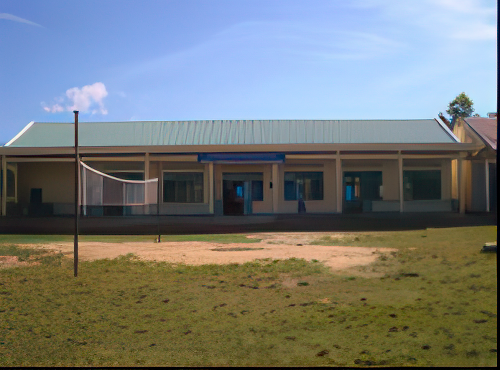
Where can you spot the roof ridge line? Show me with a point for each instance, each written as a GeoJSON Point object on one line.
{"type": "Point", "coordinates": [248, 120]}
{"type": "Point", "coordinates": [447, 130]}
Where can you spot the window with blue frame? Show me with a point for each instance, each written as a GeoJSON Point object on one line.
{"type": "Point", "coordinates": [183, 187]}
{"type": "Point", "coordinates": [257, 190]}
{"type": "Point", "coordinates": [422, 185]}
{"type": "Point", "coordinates": [303, 185]}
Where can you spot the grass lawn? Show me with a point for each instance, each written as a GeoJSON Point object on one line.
{"type": "Point", "coordinates": [42, 239]}
{"type": "Point", "coordinates": [431, 303]}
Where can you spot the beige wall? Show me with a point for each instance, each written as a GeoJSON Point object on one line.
{"type": "Point", "coordinates": [154, 170]}
{"type": "Point", "coordinates": [454, 179]}
{"type": "Point", "coordinates": [390, 180]}
{"type": "Point", "coordinates": [459, 165]}
{"type": "Point", "coordinates": [466, 135]}
{"type": "Point", "coordinates": [56, 179]}
{"type": "Point", "coordinates": [446, 179]}
{"type": "Point", "coordinates": [218, 181]}
{"type": "Point", "coordinates": [266, 205]}
{"type": "Point", "coordinates": [468, 185]}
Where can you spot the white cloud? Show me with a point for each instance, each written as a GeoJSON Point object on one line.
{"type": "Point", "coordinates": [280, 40]}
{"type": "Point", "coordinates": [85, 99]}
{"type": "Point", "coordinates": [468, 20]}
{"type": "Point", "coordinates": [11, 17]}
{"type": "Point", "coordinates": [467, 7]}
{"type": "Point", "coordinates": [476, 31]}
{"type": "Point", "coordinates": [460, 20]}
{"type": "Point", "coordinates": [54, 109]}
{"type": "Point", "coordinates": [317, 42]}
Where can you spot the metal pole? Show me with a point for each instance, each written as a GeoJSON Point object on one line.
{"type": "Point", "coordinates": [498, 108]}
{"type": "Point", "coordinates": [158, 209]}
{"type": "Point", "coordinates": [77, 183]}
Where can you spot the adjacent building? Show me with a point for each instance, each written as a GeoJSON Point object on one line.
{"type": "Point", "coordinates": [481, 166]}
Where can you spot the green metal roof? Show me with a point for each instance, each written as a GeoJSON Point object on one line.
{"type": "Point", "coordinates": [231, 132]}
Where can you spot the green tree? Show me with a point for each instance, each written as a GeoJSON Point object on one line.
{"type": "Point", "coordinates": [461, 106]}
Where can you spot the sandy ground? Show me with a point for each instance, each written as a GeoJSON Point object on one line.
{"type": "Point", "coordinates": [273, 246]}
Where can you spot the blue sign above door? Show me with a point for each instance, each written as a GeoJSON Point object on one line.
{"type": "Point", "coordinates": [241, 157]}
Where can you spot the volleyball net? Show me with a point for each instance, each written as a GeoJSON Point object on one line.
{"type": "Point", "coordinates": [100, 192]}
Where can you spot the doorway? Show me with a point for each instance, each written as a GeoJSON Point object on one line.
{"type": "Point", "coordinates": [239, 190]}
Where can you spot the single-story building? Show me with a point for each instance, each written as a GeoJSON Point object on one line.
{"type": "Point", "coordinates": [481, 164]}
{"type": "Point", "coordinates": [242, 167]}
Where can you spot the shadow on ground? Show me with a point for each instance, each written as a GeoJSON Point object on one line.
{"type": "Point", "coordinates": [175, 225]}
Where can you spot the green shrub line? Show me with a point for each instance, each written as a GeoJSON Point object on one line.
{"type": "Point", "coordinates": [433, 302]}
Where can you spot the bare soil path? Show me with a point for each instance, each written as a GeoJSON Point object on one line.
{"type": "Point", "coordinates": [272, 245]}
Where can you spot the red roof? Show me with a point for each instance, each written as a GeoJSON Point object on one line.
{"type": "Point", "coordinates": [486, 128]}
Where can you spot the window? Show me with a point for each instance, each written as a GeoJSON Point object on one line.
{"type": "Point", "coordinates": [352, 188]}
{"type": "Point", "coordinates": [363, 185]}
{"type": "Point", "coordinates": [257, 190]}
{"type": "Point", "coordinates": [36, 196]}
{"type": "Point", "coordinates": [11, 182]}
{"type": "Point", "coordinates": [127, 175]}
{"type": "Point", "coordinates": [422, 185]}
{"type": "Point", "coordinates": [239, 191]}
{"type": "Point", "coordinates": [183, 187]}
{"type": "Point", "coordinates": [305, 185]}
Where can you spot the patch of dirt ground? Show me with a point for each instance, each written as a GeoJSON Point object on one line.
{"type": "Point", "coordinates": [11, 261]}
{"type": "Point", "coordinates": [272, 245]}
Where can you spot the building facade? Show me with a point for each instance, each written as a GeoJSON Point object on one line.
{"type": "Point", "coordinates": [242, 167]}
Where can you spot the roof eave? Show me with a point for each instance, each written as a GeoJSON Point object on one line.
{"type": "Point", "coordinates": [479, 136]}
{"type": "Point", "coordinates": [359, 147]}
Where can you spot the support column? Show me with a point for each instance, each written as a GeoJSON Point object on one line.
{"type": "Point", "coordinates": [275, 182]}
{"type": "Point", "coordinates": [461, 185]}
{"type": "Point", "coordinates": [84, 191]}
{"type": "Point", "coordinates": [401, 185]}
{"type": "Point", "coordinates": [146, 166]}
{"type": "Point", "coordinates": [339, 182]}
{"type": "Point", "coordinates": [487, 179]}
{"type": "Point", "coordinates": [145, 207]}
{"type": "Point", "coordinates": [15, 183]}
{"type": "Point", "coordinates": [4, 185]}
{"type": "Point", "coordinates": [160, 187]}
{"type": "Point", "coordinates": [211, 187]}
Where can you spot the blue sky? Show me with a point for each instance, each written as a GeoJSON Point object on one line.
{"type": "Point", "coordinates": [242, 59]}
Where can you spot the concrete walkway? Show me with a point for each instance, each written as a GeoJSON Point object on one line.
{"type": "Point", "coordinates": [148, 225]}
